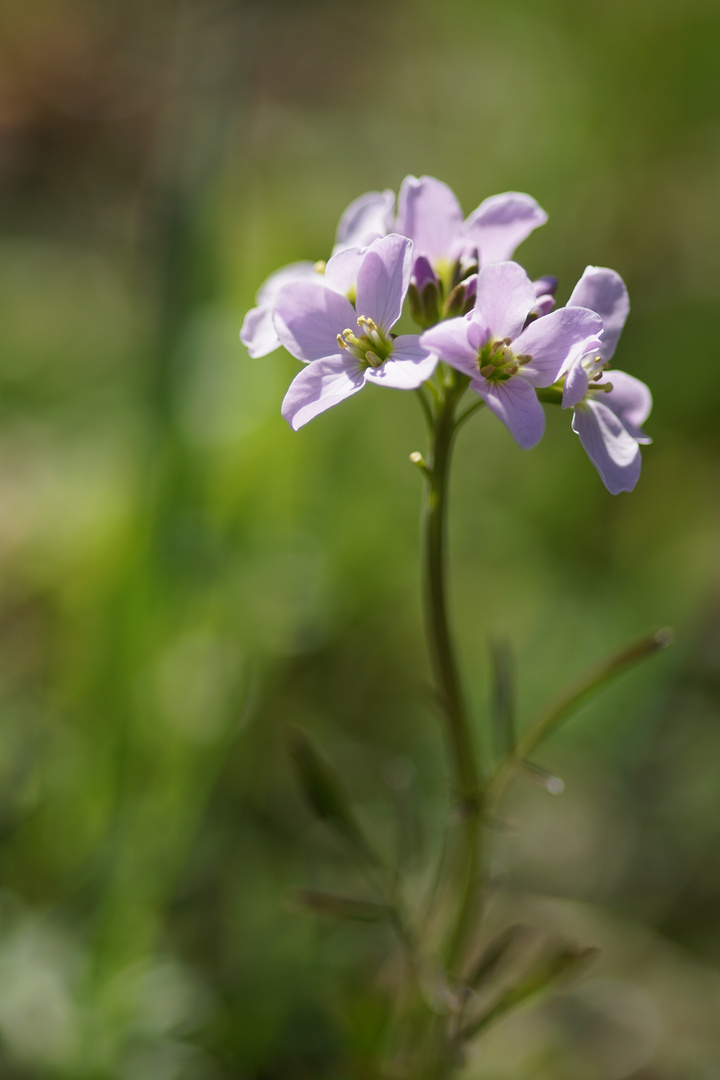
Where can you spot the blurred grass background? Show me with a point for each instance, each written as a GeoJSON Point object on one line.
{"type": "Point", "coordinates": [181, 575]}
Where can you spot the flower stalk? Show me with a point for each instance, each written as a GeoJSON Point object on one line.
{"type": "Point", "coordinates": [464, 761]}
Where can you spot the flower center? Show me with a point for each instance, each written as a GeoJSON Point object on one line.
{"type": "Point", "coordinates": [595, 367]}
{"type": "Point", "coordinates": [371, 348]}
{"type": "Point", "coordinates": [497, 362]}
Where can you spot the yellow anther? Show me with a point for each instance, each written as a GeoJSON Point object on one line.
{"type": "Point", "coordinates": [373, 359]}
{"type": "Point", "coordinates": [361, 320]}
{"type": "Point", "coordinates": [348, 334]}
{"type": "Point", "coordinates": [319, 266]}
{"type": "Point", "coordinates": [342, 342]}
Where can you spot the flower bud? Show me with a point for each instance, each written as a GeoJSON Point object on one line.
{"type": "Point", "coordinates": [455, 303]}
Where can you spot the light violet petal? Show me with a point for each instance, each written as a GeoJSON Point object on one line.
{"type": "Point", "coordinates": [342, 270]}
{"type": "Point", "coordinates": [551, 339]}
{"type": "Point", "coordinates": [365, 219]}
{"type": "Point", "coordinates": [576, 385]}
{"type": "Point", "coordinates": [604, 291]}
{"type": "Point", "coordinates": [258, 332]}
{"type": "Point", "coordinates": [631, 400]}
{"type": "Point", "coordinates": [383, 280]}
{"type": "Point", "coordinates": [450, 341]}
{"type": "Point", "coordinates": [430, 215]}
{"type": "Point", "coordinates": [298, 271]}
{"type": "Point", "coordinates": [319, 386]}
{"type": "Point", "coordinates": [505, 296]}
{"type": "Point", "coordinates": [308, 318]}
{"type": "Point", "coordinates": [515, 403]}
{"type": "Point", "coordinates": [501, 223]}
{"type": "Point", "coordinates": [612, 450]}
{"type": "Point", "coordinates": [408, 367]}
{"type": "Point", "coordinates": [409, 347]}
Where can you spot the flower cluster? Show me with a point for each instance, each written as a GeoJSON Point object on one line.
{"type": "Point", "coordinates": [477, 311]}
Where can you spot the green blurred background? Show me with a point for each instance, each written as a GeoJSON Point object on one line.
{"type": "Point", "coordinates": [181, 575]}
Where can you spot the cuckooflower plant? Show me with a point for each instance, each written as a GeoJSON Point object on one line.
{"type": "Point", "coordinates": [490, 330]}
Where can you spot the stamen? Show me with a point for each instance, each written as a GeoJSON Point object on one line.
{"type": "Point", "coordinates": [488, 370]}
{"type": "Point", "coordinates": [373, 359]}
{"type": "Point", "coordinates": [507, 341]}
{"type": "Point", "coordinates": [606, 387]}
{"type": "Point", "coordinates": [512, 369]}
{"type": "Point", "coordinates": [319, 266]}
{"type": "Point", "coordinates": [342, 342]}
{"type": "Point", "coordinates": [523, 358]}
{"type": "Point", "coordinates": [496, 345]}
{"type": "Point", "coordinates": [348, 335]}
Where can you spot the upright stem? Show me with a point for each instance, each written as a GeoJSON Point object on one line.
{"type": "Point", "coordinates": [442, 649]}
{"type": "Point", "coordinates": [462, 751]}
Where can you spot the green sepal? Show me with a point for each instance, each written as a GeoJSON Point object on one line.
{"type": "Point", "coordinates": [415, 303]}
{"type": "Point", "coordinates": [455, 303]}
{"type": "Point", "coordinates": [430, 304]}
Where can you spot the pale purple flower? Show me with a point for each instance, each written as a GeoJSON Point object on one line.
{"type": "Point", "coordinates": [346, 347]}
{"type": "Point", "coordinates": [608, 410]}
{"type": "Point", "coordinates": [430, 215]}
{"type": "Point", "coordinates": [505, 359]}
{"type": "Point", "coordinates": [365, 219]}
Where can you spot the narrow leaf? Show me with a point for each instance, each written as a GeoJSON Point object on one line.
{"type": "Point", "coordinates": [342, 907]}
{"type": "Point", "coordinates": [324, 792]}
{"type": "Point", "coordinates": [552, 969]}
{"type": "Point", "coordinates": [494, 954]}
{"type": "Point", "coordinates": [502, 696]}
{"type": "Point", "coordinates": [569, 699]}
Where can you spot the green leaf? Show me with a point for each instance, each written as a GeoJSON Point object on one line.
{"type": "Point", "coordinates": [570, 699]}
{"type": "Point", "coordinates": [324, 792]}
{"type": "Point", "coordinates": [494, 954]}
{"type": "Point", "coordinates": [502, 697]}
{"type": "Point", "coordinates": [342, 907]}
{"type": "Point", "coordinates": [553, 968]}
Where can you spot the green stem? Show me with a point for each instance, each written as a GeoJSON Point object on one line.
{"type": "Point", "coordinates": [445, 667]}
